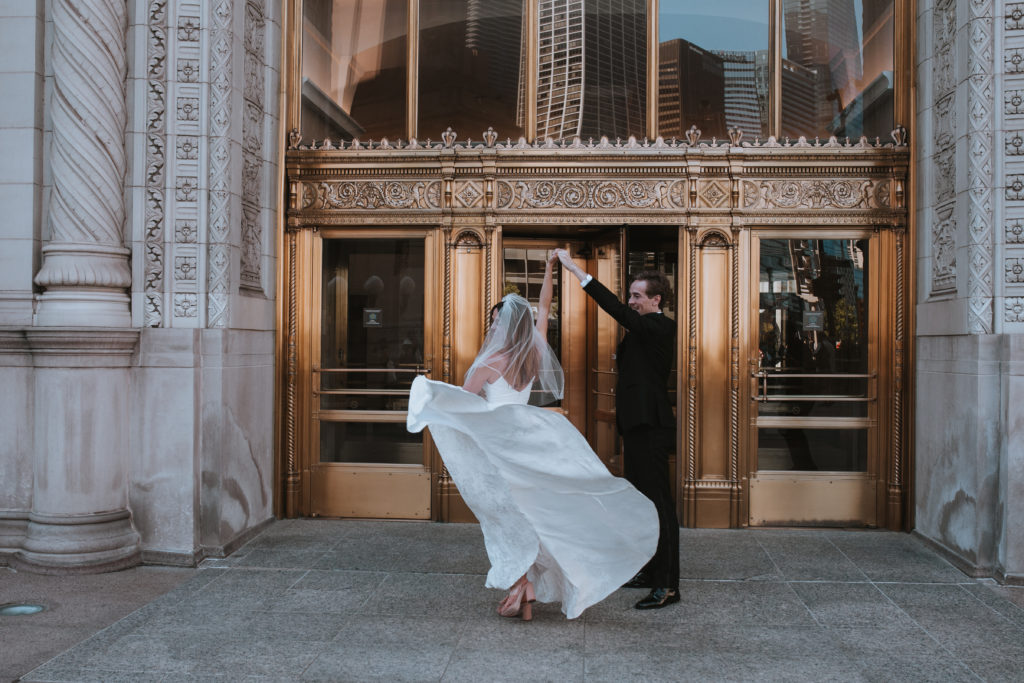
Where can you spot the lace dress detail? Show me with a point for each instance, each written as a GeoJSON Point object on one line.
{"type": "Point", "coordinates": [546, 504]}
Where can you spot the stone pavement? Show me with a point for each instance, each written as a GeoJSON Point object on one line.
{"type": "Point", "coordinates": [326, 600]}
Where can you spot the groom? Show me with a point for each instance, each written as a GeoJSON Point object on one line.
{"type": "Point", "coordinates": [643, 413]}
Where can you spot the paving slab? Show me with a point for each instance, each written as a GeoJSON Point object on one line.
{"type": "Point", "coordinates": [332, 600]}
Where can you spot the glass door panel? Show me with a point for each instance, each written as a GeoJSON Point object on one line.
{"type": "Point", "coordinates": [373, 341]}
{"type": "Point", "coordinates": [814, 379]}
{"type": "Point", "coordinates": [812, 354]}
{"type": "Point", "coordinates": [371, 348]}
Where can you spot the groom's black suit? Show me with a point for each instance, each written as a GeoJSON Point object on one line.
{"type": "Point", "coordinates": [645, 420]}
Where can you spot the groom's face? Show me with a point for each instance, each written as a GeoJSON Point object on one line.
{"type": "Point", "coordinates": [639, 301]}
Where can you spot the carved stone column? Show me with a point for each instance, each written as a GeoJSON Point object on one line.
{"type": "Point", "coordinates": [85, 268]}
{"type": "Point", "coordinates": [82, 353]}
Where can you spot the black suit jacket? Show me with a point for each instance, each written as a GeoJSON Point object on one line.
{"type": "Point", "coordinates": [644, 362]}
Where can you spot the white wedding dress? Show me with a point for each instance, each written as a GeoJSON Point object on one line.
{"type": "Point", "coordinates": [547, 506]}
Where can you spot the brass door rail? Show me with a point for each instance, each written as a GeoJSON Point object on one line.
{"type": "Point", "coordinates": [762, 393]}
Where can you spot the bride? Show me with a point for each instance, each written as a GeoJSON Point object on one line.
{"type": "Point", "coordinates": [557, 526]}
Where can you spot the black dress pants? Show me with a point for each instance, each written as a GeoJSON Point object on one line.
{"type": "Point", "coordinates": [645, 453]}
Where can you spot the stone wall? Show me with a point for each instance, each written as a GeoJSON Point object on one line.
{"type": "Point", "coordinates": [970, 293]}
{"type": "Point", "coordinates": [136, 278]}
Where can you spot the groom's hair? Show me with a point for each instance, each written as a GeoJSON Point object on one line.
{"type": "Point", "coordinates": [658, 284]}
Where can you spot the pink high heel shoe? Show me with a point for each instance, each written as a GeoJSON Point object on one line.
{"type": "Point", "coordinates": [519, 601]}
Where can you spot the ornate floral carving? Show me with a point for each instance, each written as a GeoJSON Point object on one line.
{"type": "Point", "coordinates": [1015, 186]}
{"type": "Point", "coordinates": [188, 108]}
{"type": "Point", "coordinates": [980, 180]}
{"type": "Point", "coordinates": [185, 267]}
{"type": "Point", "coordinates": [1014, 268]}
{"type": "Point", "coordinates": [815, 194]}
{"type": "Point", "coordinates": [1013, 61]}
{"type": "Point", "coordinates": [945, 174]}
{"type": "Point", "coordinates": [186, 305]}
{"type": "Point", "coordinates": [713, 194]}
{"type": "Point", "coordinates": [584, 194]}
{"type": "Point", "coordinates": [944, 250]}
{"type": "Point", "coordinates": [188, 29]}
{"type": "Point", "coordinates": [252, 246]}
{"type": "Point", "coordinates": [156, 114]}
{"type": "Point", "coordinates": [218, 270]}
{"type": "Point", "coordinates": [188, 70]}
{"type": "Point", "coordinates": [944, 121]}
{"type": "Point", "coordinates": [1014, 143]}
{"type": "Point", "coordinates": [1014, 16]}
{"type": "Point", "coordinates": [1014, 231]}
{"type": "Point", "coordinates": [469, 193]}
{"type": "Point", "coordinates": [250, 274]}
{"type": "Point", "coordinates": [1013, 102]}
{"type": "Point", "coordinates": [1014, 309]}
{"type": "Point", "coordinates": [185, 188]}
{"type": "Point", "coordinates": [187, 147]}
{"type": "Point", "coordinates": [372, 195]}
{"type": "Point", "coordinates": [185, 231]}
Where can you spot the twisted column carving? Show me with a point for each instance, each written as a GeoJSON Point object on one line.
{"type": "Point", "coordinates": [85, 269]}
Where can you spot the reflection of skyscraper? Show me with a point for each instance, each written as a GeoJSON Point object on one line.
{"type": "Point", "coordinates": [592, 68]}
{"type": "Point", "coordinates": [799, 111]}
{"type": "Point", "coordinates": [560, 69]}
{"type": "Point", "coordinates": [691, 90]}
{"type": "Point", "coordinates": [822, 37]}
{"type": "Point", "coordinates": [494, 27]}
{"type": "Point", "coordinates": [746, 91]}
{"type": "Point", "coordinates": [615, 64]}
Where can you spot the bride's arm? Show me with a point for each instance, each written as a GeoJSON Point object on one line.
{"type": "Point", "coordinates": [483, 375]}
{"type": "Point", "coordinates": [546, 294]}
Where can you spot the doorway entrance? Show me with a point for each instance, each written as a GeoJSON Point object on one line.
{"type": "Point", "coordinates": [372, 311]}
{"type": "Point", "coordinates": [814, 434]}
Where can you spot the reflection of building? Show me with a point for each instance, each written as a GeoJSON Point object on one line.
{"type": "Point", "coordinates": [592, 68]}
{"type": "Point", "coordinates": [494, 28]}
{"type": "Point", "coordinates": [799, 113]}
{"type": "Point", "coordinates": [691, 90]}
{"type": "Point", "coordinates": [746, 91]}
{"type": "Point", "coordinates": [848, 61]}
{"type": "Point", "coordinates": [560, 69]}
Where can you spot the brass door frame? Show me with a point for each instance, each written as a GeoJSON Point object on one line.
{"type": "Point", "coordinates": [362, 489]}
{"type": "Point", "coordinates": [781, 498]}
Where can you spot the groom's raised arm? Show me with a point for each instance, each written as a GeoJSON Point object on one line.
{"type": "Point", "coordinates": [604, 297]}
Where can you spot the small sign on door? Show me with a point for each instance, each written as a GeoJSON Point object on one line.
{"type": "Point", "coordinates": [814, 321]}
{"type": "Point", "coordinates": [373, 317]}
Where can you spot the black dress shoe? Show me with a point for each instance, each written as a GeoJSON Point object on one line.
{"type": "Point", "coordinates": [658, 598]}
{"type": "Point", "coordinates": [639, 581]}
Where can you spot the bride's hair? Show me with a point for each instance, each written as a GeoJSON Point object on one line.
{"type": "Point", "coordinates": [514, 348]}
{"type": "Point", "coordinates": [519, 350]}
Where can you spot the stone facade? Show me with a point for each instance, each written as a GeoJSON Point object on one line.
{"type": "Point", "coordinates": [970, 315]}
{"type": "Point", "coordinates": [137, 287]}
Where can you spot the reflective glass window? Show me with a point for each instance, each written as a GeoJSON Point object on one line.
{"type": "Point", "coordinates": [371, 346]}
{"type": "Point", "coordinates": [713, 67]}
{"type": "Point", "coordinates": [813, 326]}
{"type": "Point", "coordinates": [354, 56]}
{"type": "Point", "coordinates": [592, 68]}
{"type": "Point", "coordinates": [837, 68]}
{"type": "Point", "coordinates": [470, 67]}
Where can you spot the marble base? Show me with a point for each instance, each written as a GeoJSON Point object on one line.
{"type": "Point", "coordinates": [79, 544]}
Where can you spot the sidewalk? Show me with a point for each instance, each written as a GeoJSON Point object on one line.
{"type": "Point", "coordinates": [353, 601]}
